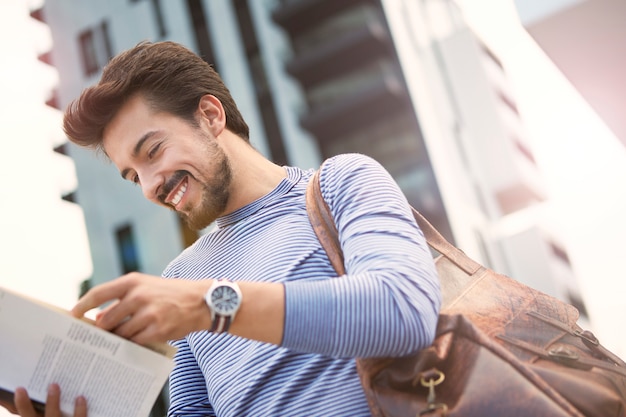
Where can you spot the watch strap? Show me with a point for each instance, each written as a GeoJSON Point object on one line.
{"type": "Point", "coordinates": [221, 324]}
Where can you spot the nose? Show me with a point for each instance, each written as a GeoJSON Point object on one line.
{"type": "Point", "coordinates": [151, 183]}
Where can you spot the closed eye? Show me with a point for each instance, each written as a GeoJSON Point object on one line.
{"type": "Point", "coordinates": [154, 150]}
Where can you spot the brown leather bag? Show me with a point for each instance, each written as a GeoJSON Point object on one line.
{"type": "Point", "coordinates": [501, 349]}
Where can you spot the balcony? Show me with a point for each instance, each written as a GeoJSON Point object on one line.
{"type": "Point", "coordinates": [357, 111]}
{"type": "Point", "coordinates": [352, 50]}
{"type": "Point", "coordinates": [298, 16]}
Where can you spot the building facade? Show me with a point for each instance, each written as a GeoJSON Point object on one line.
{"type": "Point", "coordinates": [405, 82]}
{"type": "Point", "coordinates": [44, 252]}
{"type": "Point", "coordinates": [586, 40]}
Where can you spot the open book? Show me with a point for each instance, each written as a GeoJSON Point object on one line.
{"type": "Point", "coordinates": [42, 344]}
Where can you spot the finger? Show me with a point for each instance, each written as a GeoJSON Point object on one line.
{"type": "Point", "coordinates": [109, 291]}
{"type": "Point", "coordinates": [23, 405]}
{"type": "Point", "coordinates": [80, 407]}
{"type": "Point", "coordinates": [104, 310]}
{"type": "Point", "coordinates": [144, 328]}
{"type": "Point", "coordinates": [134, 302]}
{"type": "Point", "coordinates": [53, 401]}
{"type": "Point", "coordinates": [131, 325]}
{"type": "Point", "coordinates": [151, 333]}
{"type": "Point", "coordinates": [118, 313]}
{"type": "Point", "coordinates": [101, 319]}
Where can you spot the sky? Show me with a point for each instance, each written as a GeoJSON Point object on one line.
{"type": "Point", "coordinates": [582, 162]}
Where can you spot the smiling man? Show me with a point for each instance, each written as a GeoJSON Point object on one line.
{"type": "Point", "coordinates": [262, 323]}
{"type": "Point", "coordinates": [199, 190]}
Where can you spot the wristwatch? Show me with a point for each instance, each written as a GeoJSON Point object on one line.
{"type": "Point", "coordinates": [223, 299]}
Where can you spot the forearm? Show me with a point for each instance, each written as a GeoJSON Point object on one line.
{"type": "Point", "coordinates": [151, 309]}
{"type": "Point", "coordinates": [370, 314]}
{"type": "Point", "coordinates": [262, 313]}
{"type": "Point", "coordinates": [260, 317]}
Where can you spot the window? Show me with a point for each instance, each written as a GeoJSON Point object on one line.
{"type": "Point", "coordinates": [559, 252]}
{"type": "Point", "coordinates": [95, 48]}
{"type": "Point", "coordinates": [523, 149]}
{"type": "Point", "coordinates": [85, 286]}
{"type": "Point", "coordinates": [127, 249]}
{"type": "Point", "coordinates": [53, 101]}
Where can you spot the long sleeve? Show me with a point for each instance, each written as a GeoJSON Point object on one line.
{"type": "Point", "coordinates": [188, 394]}
{"type": "Point", "coordinates": [388, 302]}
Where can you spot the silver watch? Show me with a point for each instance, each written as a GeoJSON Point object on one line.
{"type": "Point", "coordinates": [224, 300]}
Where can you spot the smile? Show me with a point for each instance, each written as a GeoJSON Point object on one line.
{"type": "Point", "coordinates": [179, 194]}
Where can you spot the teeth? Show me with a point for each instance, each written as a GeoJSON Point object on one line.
{"type": "Point", "coordinates": [179, 195]}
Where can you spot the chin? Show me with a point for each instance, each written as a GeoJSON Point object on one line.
{"type": "Point", "coordinates": [196, 223]}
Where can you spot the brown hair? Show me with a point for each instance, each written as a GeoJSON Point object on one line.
{"type": "Point", "coordinates": [169, 76]}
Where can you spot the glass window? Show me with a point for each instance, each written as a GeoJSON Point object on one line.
{"type": "Point", "coordinates": [95, 48]}
{"type": "Point", "coordinates": [127, 249]}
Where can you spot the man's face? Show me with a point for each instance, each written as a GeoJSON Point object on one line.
{"type": "Point", "coordinates": [176, 164]}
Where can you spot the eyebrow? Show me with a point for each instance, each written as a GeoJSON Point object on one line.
{"type": "Point", "coordinates": [137, 149]}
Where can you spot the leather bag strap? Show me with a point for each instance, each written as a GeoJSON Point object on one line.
{"type": "Point", "coordinates": [324, 226]}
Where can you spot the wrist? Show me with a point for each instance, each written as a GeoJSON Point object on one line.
{"type": "Point", "coordinates": [223, 298]}
{"type": "Point", "coordinates": [204, 321]}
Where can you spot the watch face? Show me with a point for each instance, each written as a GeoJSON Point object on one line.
{"type": "Point", "coordinates": [224, 299]}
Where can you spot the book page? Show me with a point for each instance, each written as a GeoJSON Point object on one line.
{"type": "Point", "coordinates": [39, 346]}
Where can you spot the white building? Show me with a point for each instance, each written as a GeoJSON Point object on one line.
{"type": "Point", "coordinates": [483, 160]}
{"type": "Point", "coordinates": [44, 240]}
{"type": "Point", "coordinates": [583, 45]}
{"type": "Point", "coordinates": [587, 41]}
{"type": "Point", "coordinates": [44, 252]}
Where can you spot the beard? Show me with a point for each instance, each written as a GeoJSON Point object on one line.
{"type": "Point", "coordinates": [215, 189]}
{"type": "Point", "coordinates": [215, 195]}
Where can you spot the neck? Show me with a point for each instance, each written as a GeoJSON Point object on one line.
{"type": "Point", "coordinates": [253, 175]}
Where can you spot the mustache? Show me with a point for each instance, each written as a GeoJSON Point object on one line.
{"type": "Point", "coordinates": [171, 183]}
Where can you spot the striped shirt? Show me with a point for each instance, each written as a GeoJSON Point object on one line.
{"type": "Point", "coordinates": [385, 305]}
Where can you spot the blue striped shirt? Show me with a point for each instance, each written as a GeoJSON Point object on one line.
{"type": "Point", "coordinates": [386, 304]}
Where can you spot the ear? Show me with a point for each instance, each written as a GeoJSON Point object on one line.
{"type": "Point", "coordinates": [211, 114]}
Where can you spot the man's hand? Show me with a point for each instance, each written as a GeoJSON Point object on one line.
{"type": "Point", "coordinates": [24, 407]}
{"type": "Point", "coordinates": [148, 309]}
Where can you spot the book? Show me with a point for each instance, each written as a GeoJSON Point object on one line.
{"type": "Point", "coordinates": [42, 344]}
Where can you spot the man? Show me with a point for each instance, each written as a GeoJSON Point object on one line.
{"type": "Point", "coordinates": [262, 324]}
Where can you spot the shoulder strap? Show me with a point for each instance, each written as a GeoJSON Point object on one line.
{"type": "Point", "coordinates": [324, 226]}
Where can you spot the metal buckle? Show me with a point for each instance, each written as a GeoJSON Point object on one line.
{"type": "Point", "coordinates": [587, 336]}
{"type": "Point", "coordinates": [563, 354]}
{"type": "Point", "coordinates": [430, 379]}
